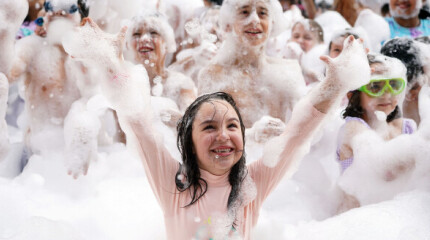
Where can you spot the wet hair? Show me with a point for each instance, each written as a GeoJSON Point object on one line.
{"type": "Point", "coordinates": [345, 33]}
{"type": "Point", "coordinates": [189, 169]}
{"type": "Point", "coordinates": [354, 109]}
{"type": "Point", "coordinates": [423, 39]}
{"type": "Point", "coordinates": [406, 51]}
{"type": "Point", "coordinates": [84, 8]}
{"type": "Point", "coordinates": [385, 9]}
{"type": "Point", "coordinates": [314, 27]}
{"type": "Point", "coordinates": [217, 2]}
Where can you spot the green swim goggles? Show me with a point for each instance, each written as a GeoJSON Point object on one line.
{"type": "Point", "coordinates": [377, 87]}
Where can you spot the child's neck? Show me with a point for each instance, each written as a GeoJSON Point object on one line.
{"type": "Point", "coordinates": [408, 23]}
{"type": "Point", "coordinates": [249, 56]}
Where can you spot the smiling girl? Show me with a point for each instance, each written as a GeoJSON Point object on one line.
{"type": "Point", "coordinates": [211, 193]}
{"type": "Point", "coordinates": [151, 38]}
{"type": "Point", "coordinates": [384, 93]}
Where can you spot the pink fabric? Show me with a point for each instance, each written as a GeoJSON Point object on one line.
{"type": "Point", "coordinates": [206, 215]}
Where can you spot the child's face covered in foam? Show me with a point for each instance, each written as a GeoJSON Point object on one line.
{"type": "Point", "coordinates": [252, 22]}
{"type": "Point", "coordinates": [405, 9]}
{"type": "Point", "coordinates": [148, 44]}
{"type": "Point", "coordinates": [304, 37]}
{"type": "Point", "coordinates": [388, 101]}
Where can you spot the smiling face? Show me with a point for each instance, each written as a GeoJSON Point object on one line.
{"type": "Point", "coordinates": [385, 103]}
{"type": "Point", "coordinates": [252, 22]}
{"type": "Point", "coordinates": [305, 38]}
{"type": "Point", "coordinates": [217, 137]}
{"type": "Point", "coordinates": [405, 8]}
{"type": "Point", "coordinates": [147, 44]}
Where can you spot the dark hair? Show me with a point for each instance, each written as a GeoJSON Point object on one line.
{"type": "Point", "coordinates": [406, 51]}
{"type": "Point", "coordinates": [385, 9]}
{"type": "Point", "coordinates": [423, 39]}
{"type": "Point", "coordinates": [189, 168]}
{"type": "Point", "coordinates": [84, 8]}
{"type": "Point", "coordinates": [354, 108]}
{"type": "Point", "coordinates": [216, 2]}
{"type": "Point", "coordinates": [346, 33]}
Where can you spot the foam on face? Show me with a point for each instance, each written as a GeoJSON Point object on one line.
{"type": "Point", "coordinates": [401, 13]}
{"type": "Point", "coordinates": [276, 19]}
{"type": "Point", "coordinates": [156, 21]}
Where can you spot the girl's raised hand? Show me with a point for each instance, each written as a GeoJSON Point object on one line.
{"type": "Point", "coordinates": [89, 43]}
{"type": "Point", "coordinates": [350, 70]}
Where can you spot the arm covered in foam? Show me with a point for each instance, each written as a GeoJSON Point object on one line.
{"type": "Point", "coordinates": [126, 86]}
{"type": "Point", "coordinates": [283, 154]}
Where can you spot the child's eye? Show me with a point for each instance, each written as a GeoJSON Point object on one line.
{"type": "Point", "coordinates": [208, 127]}
{"type": "Point", "coordinates": [232, 125]}
{"type": "Point", "coordinates": [263, 12]}
{"type": "Point", "coordinates": [245, 12]}
{"type": "Point", "coordinates": [153, 33]}
{"type": "Point", "coordinates": [136, 34]}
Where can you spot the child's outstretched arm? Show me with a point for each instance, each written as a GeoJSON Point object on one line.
{"type": "Point", "coordinates": [126, 87]}
{"type": "Point", "coordinates": [348, 71]}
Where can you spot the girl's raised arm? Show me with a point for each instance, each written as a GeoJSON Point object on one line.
{"type": "Point", "coordinates": [282, 154]}
{"type": "Point", "coordinates": [126, 87]}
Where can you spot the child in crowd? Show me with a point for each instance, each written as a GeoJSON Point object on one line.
{"type": "Point", "coordinates": [307, 33]}
{"type": "Point", "coordinates": [263, 86]}
{"type": "Point", "coordinates": [410, 53]}
{"type": "Point", "coordinates": [404, 20]}
{"type": "Point", "coordinates": [383, 94]}
{"type": "Point", "coordinates": [212, 193]}
{"type": "Point", "coordinates": [335, 46]}
{"type": "Point", "coordinates": [151, 38]}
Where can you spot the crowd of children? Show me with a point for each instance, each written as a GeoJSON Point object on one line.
{"type": "Point", "coordinates": [231, 80]}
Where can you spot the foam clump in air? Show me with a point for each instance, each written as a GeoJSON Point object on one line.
{"type": "Point", "coordinates": [331, 21]}
{"type": "Point", "coordinates": [376, 27]}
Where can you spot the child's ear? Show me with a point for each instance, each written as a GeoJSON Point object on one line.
{"type": "Point", "coordinates": [349, 95]}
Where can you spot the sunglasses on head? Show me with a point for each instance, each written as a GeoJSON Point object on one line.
{"type": "Point", "coordinates": [377, 87]}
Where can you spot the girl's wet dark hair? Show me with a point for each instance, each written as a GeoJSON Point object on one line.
{"type": "Point", "coordinates": [189, 169]}
{"type": "Point", "coordinates": [354, 108]}
{"type": "Point", "coordinates": [406, 51]}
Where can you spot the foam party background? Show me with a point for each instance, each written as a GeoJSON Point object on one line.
{"type": "Point", "coordinates": [114, 200]}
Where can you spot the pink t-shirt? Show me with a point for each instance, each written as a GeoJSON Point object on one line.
{"type": "Point", "coordinates": [208, 217]}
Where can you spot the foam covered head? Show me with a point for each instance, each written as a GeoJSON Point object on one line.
{"type": "Point", "coordinates": [157, 21]}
